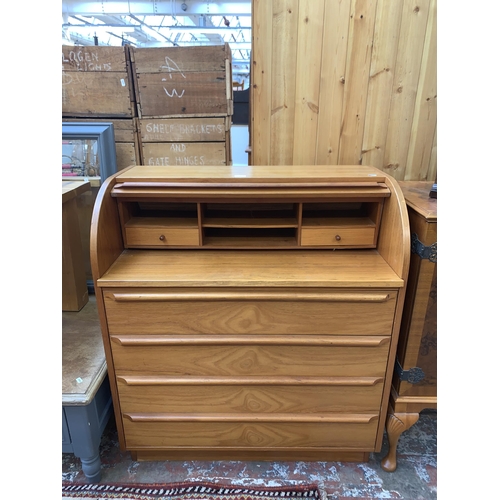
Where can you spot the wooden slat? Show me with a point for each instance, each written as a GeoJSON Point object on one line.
{"type": "Point", "coordinates": [425, 117]}
{"type": "Point", "coordinates": [310, 34]}
{"type": "Point", "coordinates": [285, 25]}
{"type": "Point", "coordinates": [333, 66]}
{"type": "Point", "coordinates": [180, 59]}
{"type": "Point", "coordinates": [262, 13]}
{"type": "Point", "coordinates": [385, 43]}
{"type": "Point", "coordinates": [361, 30]}
{"type": "Point", "coordinates": [404, 91]}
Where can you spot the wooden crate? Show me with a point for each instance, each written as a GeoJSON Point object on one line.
{"type": "Point", "coordinates": [182, 81]}
{"type": "Point", "coordinates": [188, 153]}
{"type": "Point", "coordinates": [185, 141]}
{"type": "Point", "coordinates": [126, 139]}
{"type": "Point", "coordinates": [97, 82]}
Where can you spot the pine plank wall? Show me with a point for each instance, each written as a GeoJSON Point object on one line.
{"type": "Point", "coordinates": [345, 82]}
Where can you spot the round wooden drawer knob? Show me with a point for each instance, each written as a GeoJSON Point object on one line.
{"type": "Point", "coordinates": [162, 237]}
{"type": "Point", "coordinates": [337, 237]}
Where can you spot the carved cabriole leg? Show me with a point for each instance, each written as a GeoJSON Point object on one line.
{"type": "Point", "coordinates": [396, 423]}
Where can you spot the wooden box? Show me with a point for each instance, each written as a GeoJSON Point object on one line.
{"type": "Point", "coordinates": [185, 141]}
{"type": "Point", "coordinates": [96, 82]}
{"type": "Point", "coordinates": [182, 81]}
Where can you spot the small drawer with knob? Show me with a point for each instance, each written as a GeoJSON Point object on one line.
{"type": "Point", "coordinates": [339, 233]}
{"type": "Point", "coordinates": [147, 232]}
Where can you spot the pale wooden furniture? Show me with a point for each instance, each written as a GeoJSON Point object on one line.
{"type": "Point", "coordinates": [415, 376]}
{"type": "Point", "coordinates": [250, 313]}
{"type": "Point", "coordinates": [74, 282]}
{"type": "Point", "coordinates": [86, 396]}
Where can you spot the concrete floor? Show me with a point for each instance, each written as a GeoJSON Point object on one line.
{"type": "Point", "coordinates": [414, 479]}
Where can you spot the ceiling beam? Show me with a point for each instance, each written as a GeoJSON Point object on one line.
{"type": "Point", "coordinates": [157, 7]}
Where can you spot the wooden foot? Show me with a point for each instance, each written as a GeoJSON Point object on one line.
{"type": "Point", "coordinates": [396, 423]}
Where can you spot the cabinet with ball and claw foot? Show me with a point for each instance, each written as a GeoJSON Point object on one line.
{"type": "Point", "coordinates": [250, 313]}
{"type": "Point", "coordinates": [414, 386]}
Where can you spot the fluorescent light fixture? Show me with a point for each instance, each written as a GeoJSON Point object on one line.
{"type": "Point", "coordinates": [101, 29]}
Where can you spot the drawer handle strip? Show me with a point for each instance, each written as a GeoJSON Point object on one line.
{"type": "Point", "coordinates": [360, 418]}
{"type": "Point", "coordinates": [132, 380]}
{"type": "Point", "coordinates": [252, 340]}
{"type": "Point", "coordinates": [225, 296]}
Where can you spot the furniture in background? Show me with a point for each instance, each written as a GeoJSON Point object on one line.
{"type": "Point", "coordinates": [86, 397]}
{"type": "Point", "coordinates": [415, 375]}
{"type": "Point", "coordinates": [74, 282]}
{"type": "Point", "coordinates": [250, 313]}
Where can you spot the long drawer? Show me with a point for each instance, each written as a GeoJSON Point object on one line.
{"type": "Point", "coordinates": [262, 355]}
{"type": "Point", "coordinates": [160, 311]}
{"type": "Point", "coordinates": [249, 394]}
{"type": "Point", "coordinates": [282, 431]}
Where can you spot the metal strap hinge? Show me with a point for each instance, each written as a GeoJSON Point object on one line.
{"type": "Point", "coordinates": [413, 375]}
{"type": "Point", "coordinates": [429, 252]}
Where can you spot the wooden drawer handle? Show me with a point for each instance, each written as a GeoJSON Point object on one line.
{"type": "Point", "coordinates": [162, 237]}
{"type": "Point", "coordinates": [252, 417]}
{"type": "Point", "coordinates": [377, 297]}
{"type": "Point", "coordinates": [149, 380]}
{"type": "Point", "coordinates": [255, 340]}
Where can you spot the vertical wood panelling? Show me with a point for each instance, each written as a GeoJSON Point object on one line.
{"type": "Point", "coordinates": [285, 25]}
{"type": "Point", "coordinates": [262, 58]}
{"type": "Point", "coordinates": [404, 88]}
{"type": "Point", "coordinates": [333, 65]}
{"type": "Point", "coordinates": [345, 82]}
{"type": "Point", "coordinates": [432, 172]}
{"type": "Point", "coordinates": [359, 51]}
{"type": "Point", "coordinates": [425, 118]}
{"type": "Point", "coordinates": [385, 43]}
{"type": "Point", "coordinates": [310, 37]}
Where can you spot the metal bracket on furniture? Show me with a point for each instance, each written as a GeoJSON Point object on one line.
{"type": "Point", "coordinates": [413, 375]}
{"type": "Point", "coordinates": [422, 251]}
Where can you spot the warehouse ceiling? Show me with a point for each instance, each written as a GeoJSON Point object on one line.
{"type": "Point", "coordinates": [161, 23]}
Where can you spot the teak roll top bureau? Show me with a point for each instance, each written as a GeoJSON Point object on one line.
{"type": "Point", "coordinates": [250, 313]}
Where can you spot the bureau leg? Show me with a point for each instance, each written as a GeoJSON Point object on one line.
{"type": "Point", "coordinates": [395, 424]}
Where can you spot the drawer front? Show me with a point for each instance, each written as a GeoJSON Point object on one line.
{"type": "Point", "coordinates": [343, 236]}
{"type": "Point", "coordinates": [360, 433]}
{"type": "Point", "coordinates": [159, 356]}
{"type": "Point", "coordinates": [153, 311]}
{"type": "Point", "coordinates": [161, 237]}
{"type": "Point", "coordinates": [187, 396]}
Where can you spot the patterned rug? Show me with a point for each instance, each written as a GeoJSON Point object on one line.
{"type": "Point", "coordinates": [186, 491]}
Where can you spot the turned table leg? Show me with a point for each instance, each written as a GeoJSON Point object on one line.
{"type": "Point", "coordinates": [396, 423]}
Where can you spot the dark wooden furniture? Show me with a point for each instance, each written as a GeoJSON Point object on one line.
{"type": "Point", "coordinates": [415, 376]}
{"type": "Point", "coordinates": [250, 313]}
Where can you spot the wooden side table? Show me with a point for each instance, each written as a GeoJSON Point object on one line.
{"type": "Point", "coordinates": [74, 281]}
{"type": "Point", "coordinates": [414, 386]}
{"type": "Point", "coordinates": [86, 396]}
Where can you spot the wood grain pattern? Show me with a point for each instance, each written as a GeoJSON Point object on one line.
{"type": "Point", "coordinates": [369, 89]}
{"type": "Point", "coordinates": [249, 435]}
{"type": "Point", "coordinates": [362, 22]}
{"type": "Point", "coordinates": [261, 89]}
{"type": "Point", "coordinates": [284, 68]}
{"type": "Point", "coordinates": [258, 316]}
{"type": "Point", "coordinates": [241, 398]}
{"type": "Point", "coordinates": [378, 105]}
{"type": "Point", "coordinates": [310, 33]}
{"type": "Point", "coordinates": [333, 66]}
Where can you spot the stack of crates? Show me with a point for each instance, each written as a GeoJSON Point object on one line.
{"type": "Point", "coordinates": [97, 87]}
{"type": "Point", "coordinates": [184, 99]}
